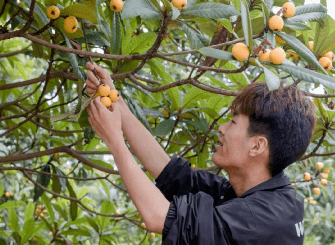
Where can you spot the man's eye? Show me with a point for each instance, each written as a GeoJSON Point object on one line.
{"type": "Point", "coordinates": [232, 121]}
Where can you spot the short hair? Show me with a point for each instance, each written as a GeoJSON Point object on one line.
{"type": "Point", "coordinates": [285, 117]}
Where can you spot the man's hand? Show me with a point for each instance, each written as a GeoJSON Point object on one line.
{"type": "Point", "coordinates": [106, 123]}
{"type": "Point", "coordinates": [92, 82]}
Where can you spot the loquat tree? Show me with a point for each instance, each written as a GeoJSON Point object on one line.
{"type": "Point", "coordinates": [178, 65]}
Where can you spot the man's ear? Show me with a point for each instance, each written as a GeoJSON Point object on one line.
{"type": "Point", "coordinates": [259, 145]}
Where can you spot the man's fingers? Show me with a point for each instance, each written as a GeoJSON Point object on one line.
{"type": "Point", "coordinates": [102, 73]}
{"type": "Point", "coordinates": [97, 104]}
{"type": "Point", "coordinates": [92, 78]}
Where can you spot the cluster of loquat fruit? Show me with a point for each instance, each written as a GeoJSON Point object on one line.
{"type": "Point", "coordinates": [39, 212]}
{"type": "Point", "coordinates": [276, 55]}
{"type": "Point", "coordinates": [9, 194]}
{"type": "Point", "coordinates": [107, 95]}
{"type": "Point", "coordinates": [71, 23]}
{"type": "Point", "coordinates": [323, 176]}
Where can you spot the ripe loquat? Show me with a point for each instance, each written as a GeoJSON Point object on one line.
{"type": "Point", "coordinates": [264, 56]}
{"type": "Point", "coordinates": [276, 23]}
{"type": "Point", "coordinates": [116, 5]}
{"type": "Point", "coordinates": [117, 212]}
{"type": "Point", "coordinates": [290, 9]}
{"type": "Point", "coordinates": [193, 166]}
{"type": "Point", "coordinates": [143, 225]}
{"type": "Point", "coordinates": [53, 12]}
{"type": "Point", "coordinates": [240, 51]}
{"type": "Point", "coordinates": [7, 194]}
{"type": "Point", "coordinates": [293, 55]}
{"type": "Point", "coordinates": [71, 24]}
{"type": "Point", "coordinates": [277, 56]}
{"type": "Point", "coordinates": [179, 4]}
{"type": "Point", "coordinates": [152, 235]}
{"type": "Point", "coordinates": [327, 171]}
{"type": "Point", "coordinates": [319, 165]}
{"type": "Point", "coordinates": [329, 55]}
{"type": "Point", "coordinates": [104, 90]}
{"type": "Point", "coordinates": [307, 176]}
{"type": "Point", "coordinates": [316, 190]}
{"type": "Point", "coordinates": [113, 95]}
{"type": "Point", "coordinates": [323, 175]}
{"type": "Point", "coordinates": [310, 45]}
{"type": "Point", "coordinates": [279, 40]}
{"type": "Point", "coordinates": [324, 182]}
{"type": "Point", "coordinates": [326, 63]}
{"type": "Point", "coordinates": [106, 101]}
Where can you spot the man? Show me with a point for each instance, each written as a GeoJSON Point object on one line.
{"type": "Point", "coordinates": [269, 131]}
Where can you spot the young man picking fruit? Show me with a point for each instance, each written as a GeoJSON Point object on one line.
{"type": "Point", "coordinates": [257, 205]}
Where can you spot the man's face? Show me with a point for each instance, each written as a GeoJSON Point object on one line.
{"type": "Point", "coordinates": [234, 152]}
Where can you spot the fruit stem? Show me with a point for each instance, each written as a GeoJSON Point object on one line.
{"type": "Point", "coordinates": [87, 49]}
{"type": "Point", "coordinates": [281, 10]}
{"type": "Point", "coordinates": [257, 50]}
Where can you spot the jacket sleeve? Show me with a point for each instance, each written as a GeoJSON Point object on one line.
{"type": "Point", "coordinates": [178, 178]}
{"type": "Point", "coordinates": [192, 219]}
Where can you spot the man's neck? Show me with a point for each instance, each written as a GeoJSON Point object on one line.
{"type": "Point", "coordinates": [242, 183]}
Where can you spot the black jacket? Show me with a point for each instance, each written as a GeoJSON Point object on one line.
{"type": "Point", "coordinates": [204, 209]}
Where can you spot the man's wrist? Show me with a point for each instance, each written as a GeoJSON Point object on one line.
{"type": "Point", "coordinates": [116, 143]}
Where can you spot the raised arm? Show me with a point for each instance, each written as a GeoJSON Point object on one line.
{"type": "Point", "coordinates": [142, 143]}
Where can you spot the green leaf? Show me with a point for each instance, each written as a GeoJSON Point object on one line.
{"type": "Point", "coordinates": [197, 40]}
{"type": "Point", "coordinates": [307, 75]}
{"type": "Point", "coordinates": [301, 49]}
{"type": "Point", "coordinates": [216, 53]}
{"type": "Point", "coordinates": [42, 179]}
{"type": "Point", "coordinates": [272, 80]}
{"type": "Point", "coordinates": [73, 204]}
{"type": "Point", "coordinates": [12, 204]}
{"type": "Point", "coordinates": [13, 219]}
{"type": "Point", "coordinates": [145, 9]}
{"type": "Point", "coordinates": [39, 12]}
{"type": "Point", "coordinates": [193, 96]}
{"type": "Point", "coordinates": [140, 44]}
{"type": "Point", "coordinates": [326, 113]}
{"type": "Point", "coordinates": [80, 98]}
{"type": "Point", "coordinates": [93, 223]}
{"type": "Point", "coordinates": [106, 208]}
{"type": "Point", "coordinates": [71, 114]}
{"type": "Point", "coordinates": [210, 10]}
{"type": "Point", "coordinates": [324, 40]}
{"type": "Point", "coordinates": [76, 232]}
{"type": "Point", "coordinates": [29, 213]}
{"type": "Point", "coordinates": [95, 37]}
{"type": "Point", "coordinates": [73, 60]}
{"type": "Point", "coordinates": [269, 4]}
{"type": "Point", "coordinates": [297, 26]}
{"type": "Point", "coordinates": [165, 127]}
{"type": "Point", "coordinates": [83, 119]}
{"type": "Point", "coordinates": [28, 230]}
{"type": "Point", "coordinates": [1, 187]}
{"type": "Point", "coordinates": [116, 34]}
{"type": "Point", "coordinates": [81, 11]}
{"type": "Point", "coordinates": [47, 203]}
{"type": "Point", "coordinates": [307, 13]}
{"type": "Point", "coordinates": [246, 23]}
